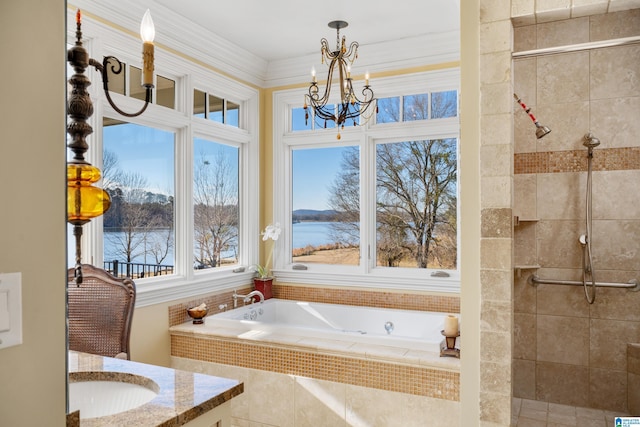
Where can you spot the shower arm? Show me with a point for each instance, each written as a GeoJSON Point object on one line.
{"type": "Point", "coordinates": [632, 285]}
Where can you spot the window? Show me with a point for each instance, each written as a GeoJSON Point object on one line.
{"type": "Point", "coordinates": [214, 108]}
{"type": "Point", "coordinates": [326, 215]}
{"type": "Point", "coordinates": [130, 77]}
{"type": "Point", "coordinates": [138, 174]}
{"type": "Point", "coordinates": [215, 198]}
{"type": "Point", "coordinates": [378, 206]}
{"type": "Point", "coordinates": [182, 213]}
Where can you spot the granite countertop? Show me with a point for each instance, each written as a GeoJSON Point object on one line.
{"type": "Point", "coordinates": [182, 395]}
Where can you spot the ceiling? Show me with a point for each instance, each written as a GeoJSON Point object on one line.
{"type": "Point", "coordinates": [279, 29]}
{"type": "Point", "coordinates": [272, 43]}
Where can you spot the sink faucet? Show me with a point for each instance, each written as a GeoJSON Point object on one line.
{"type": "Point", "coordinates": [247, 298]}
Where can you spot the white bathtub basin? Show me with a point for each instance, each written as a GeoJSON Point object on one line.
{"type": "Point", "coordinates": [109, 394]}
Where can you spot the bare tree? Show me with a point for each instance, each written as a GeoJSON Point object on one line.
{"type": "Point", "coordinates": [215, 211]}
{"type": "Point", "coordinates": [416, 186]}
{"type": "Point", "coordinates": [345, 199]}
{"type": "Point", "coordinates": [415, 189]}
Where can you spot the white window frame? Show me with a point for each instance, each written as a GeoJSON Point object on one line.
{"type": "Point", "coordinates": [185, 281]}
{"type": "Point", "coordinates": [366, 274]}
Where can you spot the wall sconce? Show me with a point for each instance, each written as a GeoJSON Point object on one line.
{"type": "Point", "coordinates": [84, 200]}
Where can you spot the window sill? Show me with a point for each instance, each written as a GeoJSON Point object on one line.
{"type": "Point", "coordinates": [162, 290]}
{"type": "Point", "coordinates": [370, 281]}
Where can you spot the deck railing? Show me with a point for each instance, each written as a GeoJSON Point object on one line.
{"type": "Point", "coordinates": [136, 270]}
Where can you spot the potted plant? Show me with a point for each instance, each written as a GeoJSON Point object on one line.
{"type": "Point", "coordinates": [263, 282]}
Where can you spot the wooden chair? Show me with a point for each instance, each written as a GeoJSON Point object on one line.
{"type": "Point", "coordinates": [100, 311]}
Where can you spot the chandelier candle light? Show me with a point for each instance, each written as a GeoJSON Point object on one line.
{"type": "Point", "coordinates": [84, 200]}
{"type": "Point", "coordinates": [349, 105]}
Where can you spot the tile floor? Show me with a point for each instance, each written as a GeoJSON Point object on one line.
{"type": "Point", "coordinates": [533, 413]}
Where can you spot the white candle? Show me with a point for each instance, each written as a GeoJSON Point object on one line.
{"type": "Point", "coordinates": [450, 326]}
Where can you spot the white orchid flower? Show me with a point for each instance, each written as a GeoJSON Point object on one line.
{"type": "Point", "coordinates": [271, 232]}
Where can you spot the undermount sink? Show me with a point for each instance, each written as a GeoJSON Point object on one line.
{"type": "Point", "coordinates": [98, 394]}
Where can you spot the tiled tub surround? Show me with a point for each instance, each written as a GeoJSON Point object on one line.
{"type": "Point", "coordinates": [184, 398]}
{"type": "Point", "coordinates": [427, 383]}
{"type": "Point", "coordinates": [574, 93]}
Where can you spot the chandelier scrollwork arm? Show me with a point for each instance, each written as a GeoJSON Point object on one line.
{"type": "Point", "coordinates": [349, 106]}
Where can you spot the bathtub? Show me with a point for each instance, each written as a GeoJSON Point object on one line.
{"type": "Point", "coordinates": [408, 329]}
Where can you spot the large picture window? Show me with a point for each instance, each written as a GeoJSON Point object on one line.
{"type": "Point", "coordinates": [379, 206]}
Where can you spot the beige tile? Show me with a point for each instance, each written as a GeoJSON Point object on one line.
{"type": "Point", "coordinates": [556, 334]}
{"type": "Point", "coordinates": [568, 124]}
{"type": "Point", "coordinates": [615, 25]}
{"type": "Point", "coordinates": [498, 10]}
{"type": "Point", "coordinates": [613, 121]}
{"type": "Point", "coordinates": [494, 128]}
{"type": "Point", "coordinates": [496, 316]}
{"type": "Point", "coordinates": [633, 393]}
{"type": "Point", "coordinates": [615, 194]}
{"type": "Point", "coordinates": [558, 245]}
{"type": "Point", "coordinates": [319, 402]}
{"type": "Point", "coordinates": [524, 294]}
{"type": "Point", "coordinates": [616, 304]}
{"type": "Point", "coordinates": [562, 301]}
{"type": "Point", "coordinates": [496, 160]}
{"type": "Point", "coordinates": [566, 384]}
{"type": "Point", "coordinates": [563, 78]}
{"type": "Point", "coordinates": [269, 394]}
{"type": "Point", "coordinates": [608, 389]}
{"type": "Point", "coordinates": [524, 336]}
{"type": "Point", "coordinates": [415, 410]}
{"type": "Point", "coordinates": [615, 244]}
{"type": "Point", "coordinates": [528, 422]}
{"type": "Point", "coordinates": [588, 7]}
{"type": "Point", "coordinates": [496, 191]}
{"type": "Point", "coordinates": [525, 196]}
{"type": "Point", "coordinates": [496, 284]}
{"type": "Point", "coordinates": [524, 37]}
{"type": "Point", "coordinates": [561, 197]}
{"type": "Point", "coordinates": [495, 347]}
{"type": "Point", "coordinates": [620, 5]}
{"type": "Point", "coordinates": [496, 222]}
{"type": "Point", "coordinates": [496, 253]}
{"type": "Point", "coordinates": [552, 10]}
{"type": "Point", "coordinates": [368, 407]}
{"type": "Point", "coordinates": [525, 251]}
{"type": "Point", "coordinates": [561, 33]}
{"type": "Point", "coordinates": [495, 37]}
{"type": "Point", "coordinates": [496, 99]}
{"type": "Point", "coordinates": [524, 378]}
{"type": "Point", "coordinates": [524, 79]}
{"type": "Point", "coordinates": [495, 377]}
{"type": "Point", "coordinates": [609, 340]}
{"type": "Point", "coordinates": [495, 67]}
{"type": "Point", "coordinates": [614, 72]}
{"type": "Point", "coordinates": [495, 408]}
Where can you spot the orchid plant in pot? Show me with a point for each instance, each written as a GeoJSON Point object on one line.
{"type": "Point", "coordinates": [263, 281]}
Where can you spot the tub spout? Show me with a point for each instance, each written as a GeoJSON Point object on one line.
{"type": "Point", "coordinates": [250, 295]}
{"type": "Point", "coordinates": [247, 298]}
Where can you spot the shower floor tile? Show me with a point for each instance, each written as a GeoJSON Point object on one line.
{"type": "Point", "coordinates": [534, 413]}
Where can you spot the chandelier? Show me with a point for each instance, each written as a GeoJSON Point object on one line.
{"type": "Point", "coordinates": [349, 106]}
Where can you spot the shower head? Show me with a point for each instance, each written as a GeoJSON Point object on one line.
{"type": "Point", "coordinates": [540, 129]}
{"type": "Point", "coordinates": [590, 141]}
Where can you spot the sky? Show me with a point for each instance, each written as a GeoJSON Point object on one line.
{"type": "Point", "coordinates": [150, 152]}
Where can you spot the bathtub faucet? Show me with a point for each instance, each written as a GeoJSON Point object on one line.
{"type": "Point", "coordinates": [247, 298]}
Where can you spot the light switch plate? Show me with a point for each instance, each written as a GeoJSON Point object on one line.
{"type": "Point", "coordinates": [10, 309]}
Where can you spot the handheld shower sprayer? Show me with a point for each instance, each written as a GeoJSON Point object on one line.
{"type": "Point", "coordinates": [540, 129]}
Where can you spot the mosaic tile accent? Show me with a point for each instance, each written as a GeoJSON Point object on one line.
{"type": "Point", "coordinates": [416, 380]}
{"type": "Point", "coordinates": [607, 159]}
{"type": "Point", "coordinates": [402, 301]}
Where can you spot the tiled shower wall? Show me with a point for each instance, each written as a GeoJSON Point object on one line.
{"type": "Point", "coordinates": [565, 350]}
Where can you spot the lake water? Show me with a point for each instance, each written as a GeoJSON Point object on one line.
{"type": "Point", "coordinates": [304, 234]}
